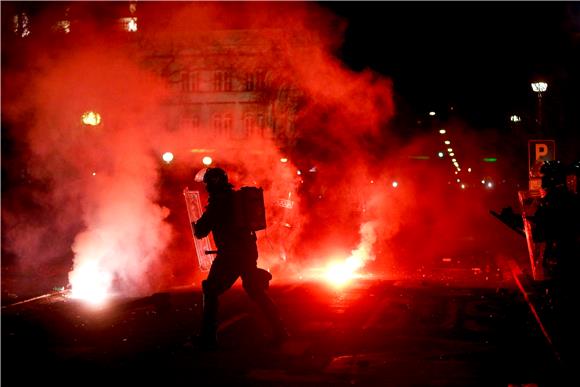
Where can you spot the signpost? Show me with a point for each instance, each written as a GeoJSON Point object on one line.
{"type": "Point", "coordinates": [538, 152]}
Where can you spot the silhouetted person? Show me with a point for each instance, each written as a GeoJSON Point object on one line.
{"type": "Point", "coordinates": [557, 221]}
{"type": "Point", "coordinates": [237, 256]}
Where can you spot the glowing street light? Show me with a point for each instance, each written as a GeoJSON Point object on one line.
{"type": "Point", "coordinates": [539, 88]}
{"type": "Point", "coordinates": [167, 157]}
{"type": "Point", "coordinates": [206, 160]}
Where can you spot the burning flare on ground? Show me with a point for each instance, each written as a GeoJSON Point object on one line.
{"type": "Point", "coordinates": [90, 283]}
{"type": "Point", "coordinates": [339, 273]}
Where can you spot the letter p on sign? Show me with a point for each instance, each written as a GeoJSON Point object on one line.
{"type": "Point", "coordinates": [541, 151]}
{"type": "Point", "coordinates": [538, 152]}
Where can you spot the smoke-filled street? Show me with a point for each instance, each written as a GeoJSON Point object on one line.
{"type": "Point", "coordinates": [435, 332]}
{"type": "Point", "coordinates": [289, 193]}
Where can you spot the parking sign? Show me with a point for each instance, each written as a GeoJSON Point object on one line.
{"type": "Point", "coordinates": [538, 152]}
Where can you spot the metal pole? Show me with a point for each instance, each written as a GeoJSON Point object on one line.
{"type": "Point", "coordinates": [540, 125]}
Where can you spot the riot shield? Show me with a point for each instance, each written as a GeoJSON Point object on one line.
{"type": "Point", "coordinates": [529, 201]}
{"type": "Point", "coordinates": [204, 247]}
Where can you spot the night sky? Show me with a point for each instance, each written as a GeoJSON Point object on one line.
{"type": "Point", "coordinates": [478, 57]}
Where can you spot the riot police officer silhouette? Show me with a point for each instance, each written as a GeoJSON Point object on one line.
{"type": "Point", "coordinates": [556, 220]}
{"type": "Point", "coordinates": [237, 256]}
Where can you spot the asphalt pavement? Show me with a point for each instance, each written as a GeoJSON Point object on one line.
{"type": "Point", "coordinates": [374, 332]}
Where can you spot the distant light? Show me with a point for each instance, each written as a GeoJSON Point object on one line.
{"type": "Point", "coordinates": [456, 172]}
{"type": "Point", "coordinates": [94, 173]}
{"type": "Point", "coordinates": [395, 184]}
{"type": "Point", "coordinates": [129, 24]}
{"type": "Point", "coordinates": [432, 114]}
{"type": "Point", "coordinates": [462, 186]}
{"type": "Point", "coordinates": [442, 131]}
{"type": "Point", "coordinates": [447, 142]}
{"type": "Point", "coordinates": [313, 169]}
{"type": "Point", "coordinates": [299, 172]}
{"type": "Point", "coordinates": [440, 154]}
{"type": "Point", "coordinates": [468, 169]}
{"type": "Point", "coordinates": [539, 87]}
{"type": "Point", "coordinates": [483, 182]}
{"type": "Point", "coordinates": [451, 154]}
{"type": "Point", "coordinates": [453, 160]}
{"type": "Point", "coordinates": [489, 159]}
{"type": "Point", "coordinates": [458, 169]}
{"type": "Point", "coordinates": [167, 157]}
{"type": "Point", "coordinates": [515, 118]}
{"type": "Point", "coordinates": [62, 26]}
{"type": "Point", "coordinates": [449, 149]}
{"type": "Point", "coordinates": [459, 180]}
{"type": "Point", "coordinates": [91, 118]}
{"type": "Point", "coordinates": [372, 182]}
{"type": "Point", "coordinates": [206, 160]}
{"type": "Point", "coordinates": [283, 160]}
{"type": "Point", "coordinates": [489, 184]}
{"type": "Point", "coordinates": [20, 25]}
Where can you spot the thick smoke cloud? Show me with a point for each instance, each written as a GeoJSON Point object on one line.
{"type": "Point", "coordinates": [105, 197]}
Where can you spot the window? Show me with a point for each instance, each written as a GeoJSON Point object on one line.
{"type": "Point", "coordinates": [128, 24]}
{"type": "Point", "coordinates": [185, 81]}
{"type": "Point", "coordinates": [249, 123]}
{"type": "Point", "coordinates": [218, 81]}
{"type": "Point", "coordinates": [21, 24]}
{"type": "Point", "coordinates": [261, 124]}
{"type": "Point", "coordinates": [190, 81]}
{"type": "Point", "coordinates": [227, 81]}
{"type": "Point", "coordinates": [250, 82]}
{"type": "Point", "coordinates": [227, 124]}
{"type": "Point", "coordinates": [195, 121]}
{"type": "Point", "coordinates": [260, 80]}
{"type": "Point", "coordinates": [217, 122]}
{"type": "Point", "coordinates": [194, 81]}
{"type": "Point", "coordinates": [255, 81]}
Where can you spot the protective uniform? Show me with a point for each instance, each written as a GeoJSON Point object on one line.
{"type": "Point", "coordinates": [557, 222]}
{"type": "Point", "coordinates": [237, 257]}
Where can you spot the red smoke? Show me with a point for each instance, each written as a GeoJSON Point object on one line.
{"type": "Point", "coordinates": [107, 194]}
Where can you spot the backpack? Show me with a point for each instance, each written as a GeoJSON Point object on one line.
{"type": "Point", "coordinates": [249, 208]}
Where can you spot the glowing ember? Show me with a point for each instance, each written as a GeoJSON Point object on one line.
{"type": "Point", "coordinates": [90, 283]}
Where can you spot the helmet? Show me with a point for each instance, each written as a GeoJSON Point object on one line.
{"type": "Point", "coordinates": [553, 174]}
{"type": "Point", "coordinates": [215, 177]}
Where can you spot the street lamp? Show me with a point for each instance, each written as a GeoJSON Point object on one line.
{"type": "Point", "coordinates": [539, 88]}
